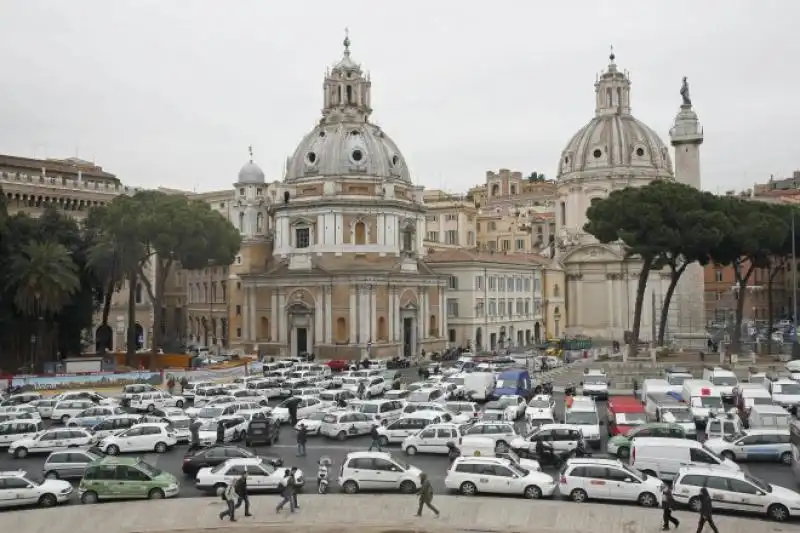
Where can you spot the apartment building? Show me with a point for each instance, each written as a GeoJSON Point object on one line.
{"type": "Point", "coordinates": [450, 221]}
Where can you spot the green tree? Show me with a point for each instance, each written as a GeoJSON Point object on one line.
{"type": "Point", "coordinates": [632, 216]}
{"type": "Point", "coordinates": [690, 227]}
{"type": "Point", "coordinates": [758, 232]}
{"type": "Point", "coordinates": [777, 263]}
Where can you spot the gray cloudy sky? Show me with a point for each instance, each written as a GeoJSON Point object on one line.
{"type": "Point", "coordinates": [171, 93]}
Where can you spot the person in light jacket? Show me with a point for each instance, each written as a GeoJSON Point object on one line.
{"type": "Point", "coordinates": [230, 501]}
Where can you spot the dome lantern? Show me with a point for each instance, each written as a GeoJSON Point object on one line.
{"type": "Point", "coordinates": [347, 91]}
{"type": "Point", "coordinates": [613, 90]}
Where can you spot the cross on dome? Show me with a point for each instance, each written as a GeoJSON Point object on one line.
{"type": "Point", "coordinates": [346, 42]}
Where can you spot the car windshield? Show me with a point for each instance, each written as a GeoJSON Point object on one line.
{"type": "Point", "coordinates": [368, 408]}
{"type": "Point", "coordinates": [594, 380]}
{"type": "Point", "coordinates": [316, 416]}
{"type": "Point", "coordinates": [758, 380]}
{"type": "Point", "coordinates": [148, 469]}
{"type": "Point", "coordinates": [209, 425]}
{"type": "Point", "coordinates": [179, 424]}
{"type": "Point", "coordinates": [711, 401]}
{"type": "Point", "coordinates": [350, 381]}
{"type": "Point", "coordinates": [581, 418]}
{"type": "Point", "coordinates": [725, 381]}
{"type": "Point", "coordinates": [219, 468]}
{"type": "Point", "coordinates": [458, 407]}
{"type": "Point", "coordinates": [210, 412]}
{"type": "Point", "coordinates": [540, 421]}
{"type": "Point", "coordinates": [507, 401]}
{"type": "Point", "coordinates": [677, 380]}
{"type": "Point", "coordinates": [678, 415]}
{"type": "Point", "coordinates": [506, 384]}
{"type": "Point", "coordinates": [766, 487]}
{"type": "Point", "coordinates": [786, 388]}
{"type": "Point", "coordinates": [631, 419]}
{"type": "Point", "coordinates": [419, 396]}
{"type": "Point", "coordinates": [539, 404]}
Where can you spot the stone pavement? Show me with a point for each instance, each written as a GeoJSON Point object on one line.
{"type": "Point", "coordinates": [393, 513]}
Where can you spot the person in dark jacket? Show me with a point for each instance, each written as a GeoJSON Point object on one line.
{"type": "Point", "coordinates": [426, 495]}
{"type": "Point", "coordinates": [453, 452]}
{"type": "Point", "coordinates": [293, 413]}
{"type": "Point", "coordinates": [376, 441]}
{"type": "Point", "coordinates": [194, 431]}
{"type": "Point", "coordinates": [287, 491]}
{"type": "Point", "coordinates": [293, 473]}
{"type": "Point", "coordinates": [667, 505]}
{"type": "Point", "coordinates": [302, 438]}
{"type": "Point", "coordinates": [705, 512]}
{"type": "Point", "coordinates": [220, 433]}
{"type": "Point", "coordinates": [240, 486]}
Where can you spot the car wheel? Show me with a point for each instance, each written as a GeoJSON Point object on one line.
{"type": "Point", "coordinates": [532, 492]}
{"type": "Point", "coordinates": [408, 487]}
{"type": "Point", "coordinates": [219, 489]}
{"type": "Point", "coordinates": [411, 450]}
{"type": "Point", "coordinates": [383, 440]}
{"type": "Point", "coordinates": [647, 499]}
{"type": "Point", "coordinates": [21, 453]}
{"type": "Point", "coordinates": [112, 449]}
{"type": "Point", "coordinates": [51, 474]}
{"type": "Point", "coordinates": [695, 505]}
{"type": "Point", "coordinates": [155, 494]}
{"type": "Point", "coordinates": [350, 487]}
{"type": "Point", "coordinates": [47, 500]}
{"type": "Point", "coordinates": [65, 419]}
{"type": "Point", "coordinates": [778, 512]}
{"type": "Point", "coordinates": [89, 497]}
{"type": "Point", "coordinates": [151, 408]}
{"type": "Point", "coordinates": [341, 436]}
{"type": "Point", "coordinates": [179, 404]}
{"type": "Point", "coordinates": [468, 489]}
{"type": "Point", "coordinates": [501, 447]}
{"type": "Point", "coordinates": [786, 458]}
{"type": "Point", "coordinates": [727, 454]}
{"type": "Point", "coordinates": [160, 447]}
{"type": "Point", "coordinates": [579, 496]}
{"type": "Point", "coordinates": [623, 453]}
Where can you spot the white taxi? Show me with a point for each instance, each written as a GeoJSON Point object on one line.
{"type": "Point", "coordinates": [494, 475]}
{"type": "Point", "coordinates": [583, 413]}
{"type": "Point", "coordinates": [312, 423]}
{"type": "Point", "coordinates": [261, 475]}
{"type": "Point", "coordinates": [139, 438]}
{"type": "Point", "coordinates": [113, 424]}
{"type": "Point", "coordinates": [512, 407]}
{"type": "Point", "coordinates": [384, 411]}
{"type": "Point", "coordinates": [150, 401]}
{"type": "Point", "coordinates": [234, 427]}
{"type": "Point", "coordinates": [17, 489]}
{"type": "Point", "coordinates": [608, 479]}
{"type": "Point", "coordinates": [502, 433]}
{"type": "Point", "coordinates": [16, 411]}
{"type": "Point", "coordinates": [305, 406]}
{"type": "Point", "coordinates": [44, 406]}
{"type": "Point", "coordinates": [432, 439]}
{"type": "Point", "coordinates": [377, 471]}
{"type": "Point", "coordinates": [343, 424]}
{"type": "Point", "coordinates": [50, 441]}
{"type": "Point", "coordinates": [63, 410]}
{"type": "Point", "coordinates": [12, 430]}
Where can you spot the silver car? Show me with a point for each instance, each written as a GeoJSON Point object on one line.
{"type": "Point", "coordinates": [69, 464]}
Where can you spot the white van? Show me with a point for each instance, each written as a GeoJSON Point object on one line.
{"type": "Point", "coordinates": [769, 416]}
{"type": "Point", "coordinates": [663, 457]}
{"type": "Point", "coordinates": [12, 430]}
{"type": "Point", "coordinates": [406, 426]}
{"type": "Point", "coordinates": [584, 415]}
{"type": "Point", "coordinates": [480, 384]}
{"type": "Point", "coordinates": [703, 399]}
{"type": "Point", "coordinates": [785, 392]}
{"type": "Point", "coordinates": [653, 386]}
{"type": "Point", "coordinates": [724, 380]}
{"type": "Point", "coordinates": [675, 377]}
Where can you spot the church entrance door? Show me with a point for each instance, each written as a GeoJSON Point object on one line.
{"type": "Point", "coordinates": [302, 341]}
{"type": "Point", "coordinates": [408, 336]}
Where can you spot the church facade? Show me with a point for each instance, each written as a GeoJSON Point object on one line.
{"type": "Point", "coordinates": [332, 260]}
{"type": "Point", "coordinates": [613, 151]}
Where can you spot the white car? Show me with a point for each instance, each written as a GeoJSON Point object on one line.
{"type": "Point", "coordinates": [343, 424]}
{"type": "Point", "coordinates": [383, 410]}
{"type": "Point", "coordinates": [261, 475]}
{"type": "Point", "coordinates": [150, 401]}
{"type": "Point", "coordinates": [735, 491]}
{"type": "Point", "coordinates": [235, 428]}
{"type": "Point", "coordinates": [493, 475]}
{"type": "Point", "coordinates": [44, 407]}
{"type": "Point", "coordinates": [268, 388]}
{"type": "Point", "coordinates": [444, 412]}
{"type": "Point", "coordinates": [211, 411]}
{"type": "Point", "coordinates": [113, 424]}
{"type": "Point", "coordinates": [512, 407]}
{"type": "Point", "coordinates": [312, 423]}
{"type": "Point", "coordinates": [251, 395]}
{"type": "Point", "coordinates": [63, 410]}
{"type": "Point", "coordinates": [560, 437]}
{"type": "Point", "coordinates": [305, 406]}
{"type": "Point", "coordinates": [95, 397]}
{"type": "Point", "coordinates": [432, 439]}
{"type": "Point", "coordinates": [409, 424]}
{"type": "Point", "coordinates": [17, 489]}
{"type": "Point", "coordinates": [17, 411]}
{"type": "Point", "coordinates": [502, 433]}
{"type": "Point", "coordinates": [139, 438]}
{"type": "Point", "coordinates": [463, 412]}
{"type": "Point", "coordinates": [377, 471]}
{"type": "Point", "coordinates": [608, 479]}
{"type": "Point", "coordinates": [50, 441]}
{"type": "Point", "coordinates": [12, 430]}
{"type": "Point", "coordinates": [785, 392]}
{"type": "Point", "coordinates": [331, 398]}
{"type": "Point", "coordinates": [94, 415]}
{"type": "Point", "coordinates": [176, 419]}
{"type": "Point", "coordinates": [542, 401]}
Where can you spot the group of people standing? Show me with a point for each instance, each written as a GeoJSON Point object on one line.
{"type": "Point", "coordinates": [236, 494]}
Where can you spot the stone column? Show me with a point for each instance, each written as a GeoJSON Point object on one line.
{"type": "Point", "coordinates": [610, 286]}
{"type": "Point", "coordinates": [426, 311]}
{"type": "Point", "coordinates": [442, 312]}
{"type": "Point", "coordinates": [253, 324]}
{"type": "Point", "coordinates": [246, 315]}
{"type": "Point", "coordinates": [319, 315]}
{"type": "Point", "coordinates": [578, 300]}
{"type": "Point", "coordinates": [373, 306]}
{"type": "Point", "coordinates": [420, 314]}
{"type": "Point", "coordinates": [282, 322]}
{"type": "Point", "coordinates": [328, 314]}
{"type": "Point", "coordinates": [353, 313]}
{"type": "Point", "coordinates": [381, 229]}
{"type": "Point", "coordinates": [273, 321]}
{"type": "Point", "coordinates": [392, 314]}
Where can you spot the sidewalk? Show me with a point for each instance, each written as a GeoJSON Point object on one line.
{"type": "Point", "coordinates": [395, 511]}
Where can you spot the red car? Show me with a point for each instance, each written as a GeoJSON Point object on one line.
{"type": "Point", "coordinates": [624, 413]}
{"type": "Point", "coordinates": [337, 365]}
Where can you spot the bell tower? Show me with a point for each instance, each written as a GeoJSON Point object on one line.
{"type": "Point", "coordinates": [347, 95]}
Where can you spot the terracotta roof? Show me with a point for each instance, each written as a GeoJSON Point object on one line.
{"type": "Point", "coordinates": [469, 256]}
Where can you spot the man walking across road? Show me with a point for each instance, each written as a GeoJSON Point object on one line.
{"type": "Point", "coordinates": [302, 438]}
{"type": "Point", "coordinates": [376, 440]}
{"type": "Point", "coordinates": [705, 512]}
{"type": "Point", "coordinates": [230, 500]}
{"type": "Point", "coordinates": [667, 505]}
{"type": "Point", "coordinates": [287, 491]}
{"type": "Point", "coordinates": [241, 492]}
{"type": "Point", "coordinates": [194, 431]}
{"type": "Point", "coordinates": [426, 495]}
{"type": "Point", "coordinates": [293, 473]}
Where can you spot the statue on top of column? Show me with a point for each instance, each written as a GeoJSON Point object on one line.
{"type": "Point", "coordinates": [687, 100]}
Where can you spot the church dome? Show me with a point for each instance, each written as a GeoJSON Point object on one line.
{"type": "Point", "coordinates": [251, 173]}
{"type": "Point", "coordinates": [614, 142]}
{"type": "Point", "coordinates": [345, 142]}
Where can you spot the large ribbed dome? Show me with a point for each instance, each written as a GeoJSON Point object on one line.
{"type": "Point", "coordinates": [614, 142]}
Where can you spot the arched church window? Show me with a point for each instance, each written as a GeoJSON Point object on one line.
{"type": "Point", "coordinates": [608, 97]}
{"type": "Point", "coordinates": [360, 233]}
{"type": "Point", "coordinates": [341, 330]}
{"type": "Point", "coordinates": [408, 240]}
{"type": "Point", "coordinates": [349, 94]}
{"type": "Point", "coordinates": [241, 222]}
{"type": "Point", "coordinates": [495, 190]}
{"type": "Point", "coordinates": [260, 222]}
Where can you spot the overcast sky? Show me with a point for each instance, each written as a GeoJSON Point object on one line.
{"type": "Point", "coordinates": [171, 93]}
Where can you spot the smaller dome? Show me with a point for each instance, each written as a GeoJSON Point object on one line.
{"type": "Point", "coordinates": [251, 173]}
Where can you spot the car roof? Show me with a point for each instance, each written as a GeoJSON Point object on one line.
{"type": "Point", "coordinates": [770, 409]}
{"type": "Point", "coordinates": [709, 470]}
{"type": "Point", "coordinates": [244, 460]}
{"type": "Point", "coordinates": [116, 460]}
{"type": "Point", "coordinates": [152, 424]}
{"type": "Point", "coordinates": [559, 426]}
{"type": "Point", "coordinates": [13, 473]}
{"type": "Point", "coordinates": [356, 455]}
{"type": "Point", "coordinates": [666, 441]}
{"type": "Point", "coordinates": [767, 431]}
{"type": "Point", "coordinates": [422, 413]}
{"type": "Point", "coordinates": [625, 404]}
{"type": "Point", "coordinates": [593, 461]}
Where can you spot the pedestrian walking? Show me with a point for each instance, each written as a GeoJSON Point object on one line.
{"type": "Point", "coordinates": [230, 501]}
{"type": "Point", "coordinates": [426, 495]}
{"type": "Point", "coordinates": [667, 505]}
{"type": "Point", "coordinates": [293, 479]}
{"type": "Point", "coordinates": [287, 491]}
{"type": "Point", "coordinates": [220, 432]}
{"type": "Point", "coordinates": [376, 440]}
{"type": "Point", "coordinates": [293, 413]}
{"type": "Point", "coordinates": [240, 487]}
{"type": "Point", "coordinates": [705, 512]}
{"type": "Point", "coordinates": [194, 432]}
{"type": "Point", "coordinates": [302, 438]}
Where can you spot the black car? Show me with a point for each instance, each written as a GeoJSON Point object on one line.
{"type": "Point", "coordinates": [215, 455]}
{"type": "Point", "coordinates": [262, 431]}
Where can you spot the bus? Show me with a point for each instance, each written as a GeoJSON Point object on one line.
{"type": "Point", "coordinates": [794, 439]}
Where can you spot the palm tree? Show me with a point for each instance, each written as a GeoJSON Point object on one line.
{"type": "Point", "coordinates": [42, 279]}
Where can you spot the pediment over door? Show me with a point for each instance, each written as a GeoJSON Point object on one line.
{"type": "Point", "coordinates": [592, 253]}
